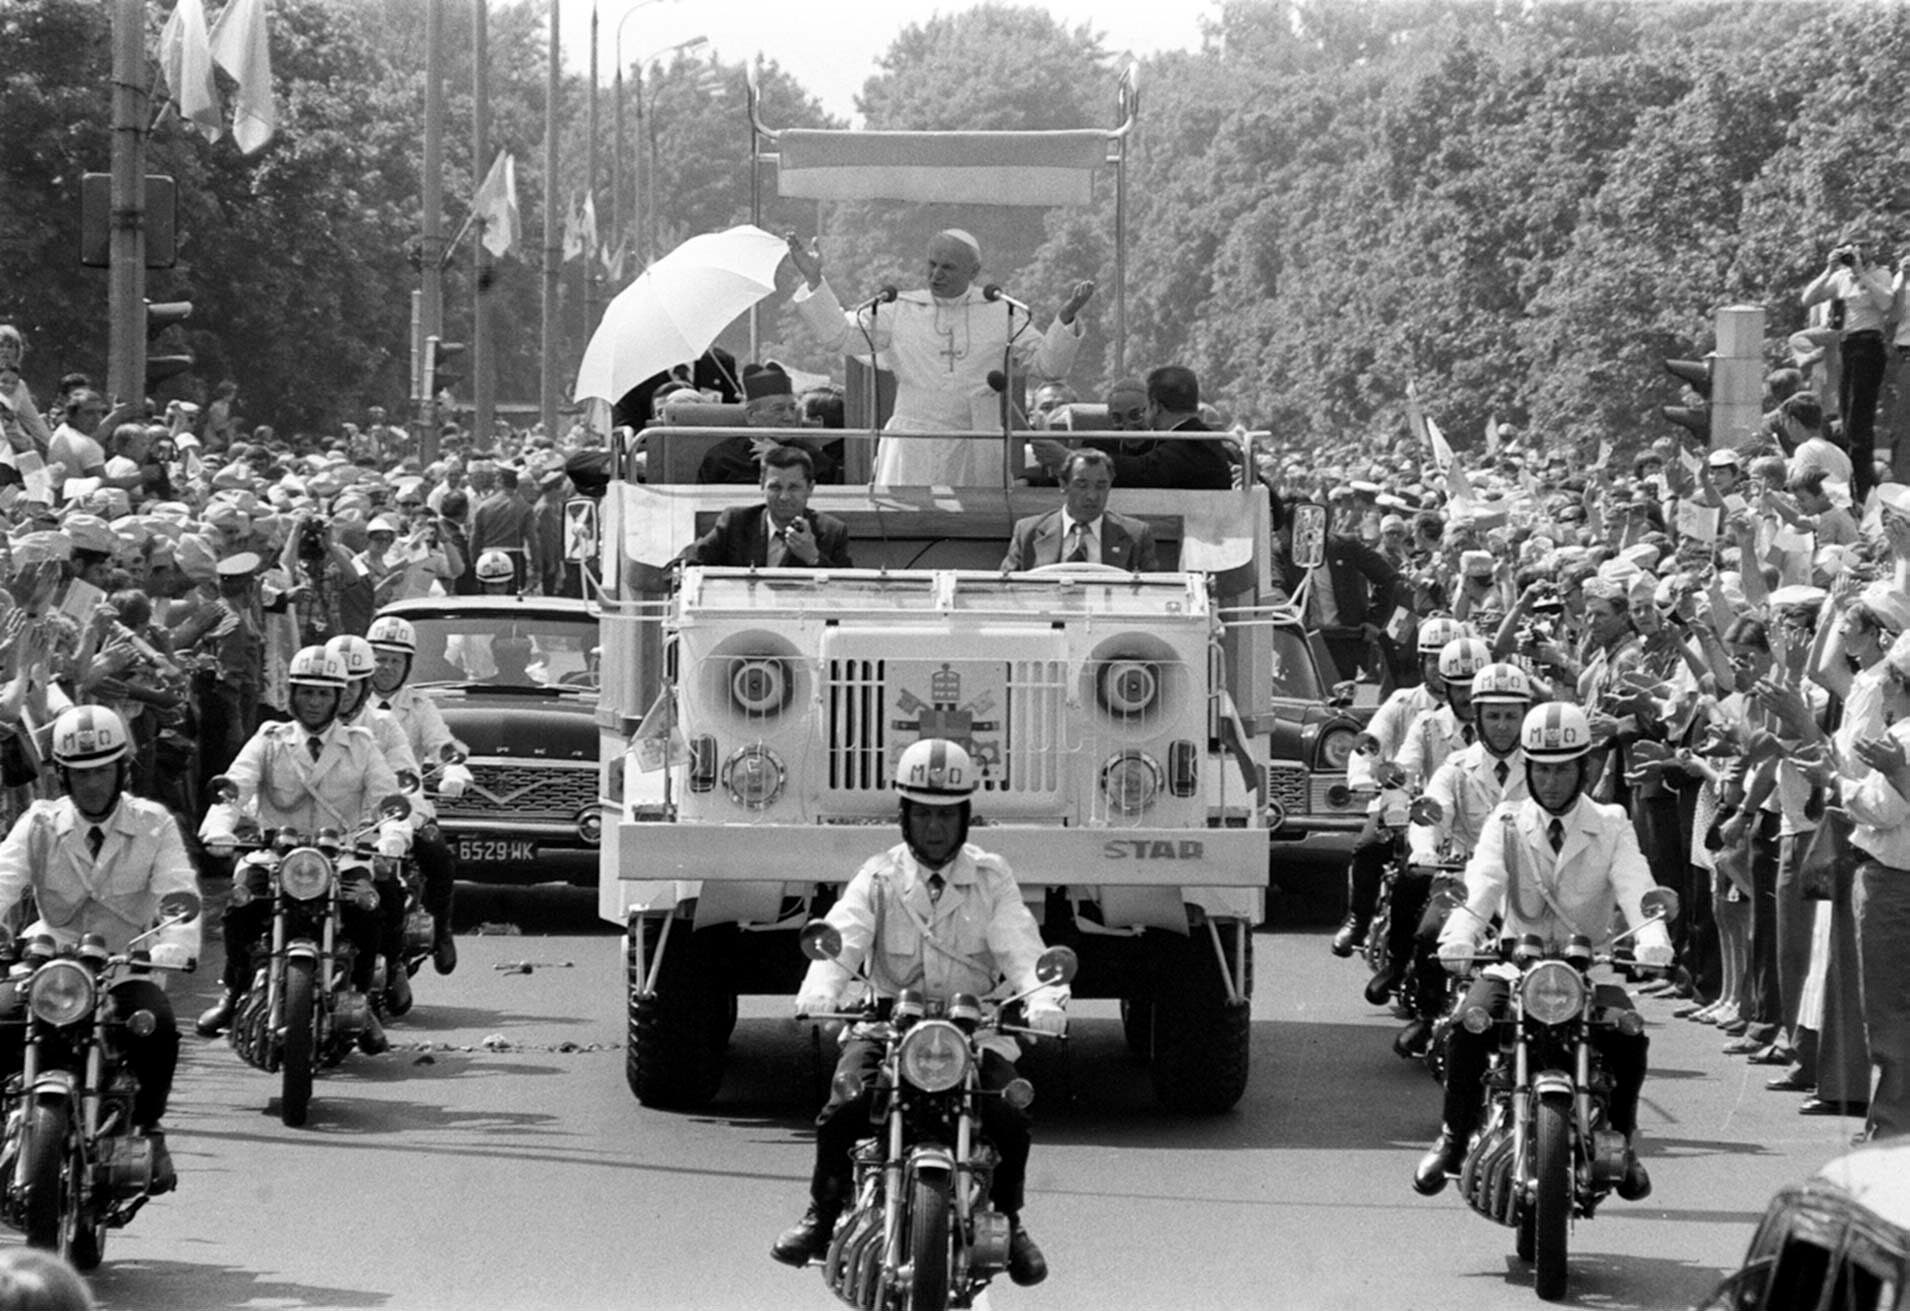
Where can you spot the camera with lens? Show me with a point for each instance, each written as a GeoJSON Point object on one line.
{"type": "Point", "coordinates": [1533, 635]}
{"type": "Point", "coordinates": [314, 538]}
{"type": "Point", "coordinates": [1546, 600]}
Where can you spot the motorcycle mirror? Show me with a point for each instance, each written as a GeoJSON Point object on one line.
{"type": "Point", "coordinates": [223, 788]}
{"type": "Point", "coordinates": [821, 940]}
{"type": "Point", "coordinates": [408, 781]}
{"type": "Point", "coordinates": [394, 806]}
{"type": "Point", "coordinates": [1057, 965]}
{"type": "Point", "coordinates": [450, 754]}
{"type": "Point", "coordinates": [183, 906]}
{"type": "Point", "coordinates": [1018, 1093]}
{"type": "Point", "coordinates": [1663, 904]}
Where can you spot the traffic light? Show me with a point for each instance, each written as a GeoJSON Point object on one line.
{"type": "Point", "coordinates": [1695, 374]}
{"type": "Point", "coordinates": [161, 315]}
{"type": "Point", "coordinates": [440, 359]}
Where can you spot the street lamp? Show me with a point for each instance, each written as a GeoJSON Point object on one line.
{"type": "Point", "coordinates": [618, 153]}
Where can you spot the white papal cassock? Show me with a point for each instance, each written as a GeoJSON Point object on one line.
{"type": "Point", "coordinates": [941, 352]}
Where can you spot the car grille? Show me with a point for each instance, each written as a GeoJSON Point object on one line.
{"type": "Point", "coordinates": [1300, 791]}
{"type": "Point", "coordinates": [524, 789]}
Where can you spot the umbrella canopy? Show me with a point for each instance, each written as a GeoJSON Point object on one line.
{"type": "Point", "coordinates": [677, 306]}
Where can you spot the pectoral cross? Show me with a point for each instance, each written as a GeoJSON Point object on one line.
{"type": "Point", "coordinates": [949, 352]}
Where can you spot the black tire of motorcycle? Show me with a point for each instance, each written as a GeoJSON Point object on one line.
{"type": "Point", "coordinates": [1137, 1026]}
{"type": "Point", "coordinates": [931, 1240]}
{"type": "Point", "coordinates": [42, 1164]}
{"type": "Point", "coordinates": [299, 1052]}
{"type": "Point", "coordinates": [677, 1035]}
{"type": "Point", "coordinates": [1201, 1037]}
{"type": "Point", "coordinates": [1552, 1198]}
{"type": "Point", "coordinates": [1522, 1246]}
{"type": "Point", "coordinates": [88, 1247]}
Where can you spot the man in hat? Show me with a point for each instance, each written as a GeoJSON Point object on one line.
{"type": "Point", "coordinates": [942, 342]}
{"type": "Point", "coordinates": [769, 402]}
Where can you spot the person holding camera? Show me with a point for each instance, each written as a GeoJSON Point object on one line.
{"type": "Point", "coordinates": [321, 569]}
{"type": "Point", "coordinates": [1866, 293]}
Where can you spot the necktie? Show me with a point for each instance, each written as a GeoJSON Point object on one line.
{"type": "Point", "coordinates": [95, 840]}
{"type": "Point", "coordinates": [315, 745]}
{"type": "Point", "coordinates": [777, 553]}
{"type": "Point", "coordinates": [935, 886]}
{"type": "Point", "coordinates": [1502, 770]}
{"type": "Point", "coordinates": [1556, 831]}
{"type": "Point", "coordinates": [1467, 735]}
{"type": "Point", "coordinates": [1078, 551]}
{"type": "Point", "coordinates": [384, 705]}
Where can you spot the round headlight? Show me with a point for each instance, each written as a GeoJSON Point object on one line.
{"type": "Point", "coordinates": [760, 686]}
{"type": "Point", "coordinates": [1552, 992]}
{"type": "Point", "coordinates": [590, 825]}
{"type": "Point", "coordinates": [305, 874]}
{"type": "Point", "coordinates": [61, 992]}
{"type": "Point", "coordinates": [934, 1056]}
{"type": "Point", "coordinates": [1131, 781]}
{"type": "Point", "coordinates": [1336, 748]}
{"type": "Point", "coordinates": [753, 776]}
{"type": "Point", "coordinates": [1129, 687]}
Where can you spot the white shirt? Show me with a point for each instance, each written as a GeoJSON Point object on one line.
{"type": "Point", "coordinates": [1090, 536]}
{"type": "Point", "coordinates": [115, 894]}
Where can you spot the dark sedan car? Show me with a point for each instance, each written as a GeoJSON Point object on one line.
{"type": "Point", "coordinates": [1315, 724]}
{"type": "Point", "coordinates": [516, 680]}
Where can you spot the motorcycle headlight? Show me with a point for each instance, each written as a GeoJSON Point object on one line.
{"type": "Point", "coordinates": [305, 874]}
{"type": "Point", "coordinates": [61, 993]}
{"type": "Point", "coordinates": [934, 1056]}
{"type": "Point", "coordinates": [1131, 781]}
{"type": "Point", "coordinates": [1552, 992]}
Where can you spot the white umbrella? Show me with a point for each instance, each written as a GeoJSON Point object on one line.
{"type": "Point", "coordinates": [676, 308]}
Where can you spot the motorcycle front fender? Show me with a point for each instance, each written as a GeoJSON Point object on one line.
{"type": "Point", "coordinates": [301, 949]}
{"type": "Point", "coordinates": [55, 1084]}
{"type": "Point", "coordinates": [930, 1161]}
{"type": "Point", "coordinates": [1549, 1084]}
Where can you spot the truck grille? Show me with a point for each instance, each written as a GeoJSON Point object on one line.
{"type": "Point", "coordinates": [1017, 733]}
{"type": "Point", "coordinates": [524, 789]}
{"type": "Point", "coordinates": [1287, 784]}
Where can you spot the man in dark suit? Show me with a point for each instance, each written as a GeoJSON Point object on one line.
{"type": "Point", "coordinates": [1353, 595]}
{"type": "Point", "coordinates": [1083, 530]}
{"type": "Point", "coordinates": [1173, 405]}
{"type": "Point", "coordinates": [780, 533]}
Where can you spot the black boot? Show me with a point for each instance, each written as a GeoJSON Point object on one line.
{"type": "Point", "coordinates": [444, 948]}
{"type": "Point", "coordinates": [218, 1017]}
{"type": "Point", "coordinates": [808, 1239]}
{"type": "Point", "coordinates": [398, 990]}
{"type": "Point", "coordinates": [1380, 987]}
{"type": "Point", "coordinates": [1350, 937]}
{"type": "Point", "coordinates": [1414, 1041]}
{"type": "Point", "coordinates": [1447, 1154]}
{"type": "Point", "coordinates": [164, 1177]}
{"type": "Point", "coordinates": [1026, 1265]}
{"type": "Point", "coordinates": [1635, 1186]}
{"type": "Point", "coordinates": [372, 1040]}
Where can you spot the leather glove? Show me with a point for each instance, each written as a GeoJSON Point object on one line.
{"type": "Point", "coordinates": [814, 1003]}
{"type": "Point", "coordinates": [453, 781]}
{"type": "Point", "coordinates": [1456, 956]}
{"type": "Point", "coordinates": [174, 956]}
{"type": "Point", "coordinates": [1654, 956]}
{"type": "Point", "coordinates": [1048, 1018]}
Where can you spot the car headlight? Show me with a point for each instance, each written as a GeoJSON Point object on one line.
{"type": "Point", "coordinates": [305, 874]}
{"type": "Point", "coordinates": [1129, 687]}
{"type": "Point", "coordinates": [1130, 781]}
{"type": "Point", "coordinates": [61, 993]}
{"type": "Point", "coordinates": [1336, 748]}
{"type": "Point", "coordinates": [753, 776]}
{"type": "Point", "coordinates": [760, 685]}
{"type": "Point", "coordinates": [934, 1056]}
{"type": "Point", "coordinates": [1552, 992]}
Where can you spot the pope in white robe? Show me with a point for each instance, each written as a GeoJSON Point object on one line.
{"type": "Point", "coordinates": [942, 342]}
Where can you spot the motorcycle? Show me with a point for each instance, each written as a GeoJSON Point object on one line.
{"type": "Point", "coordinates": [1545, 1152]}
{"type": "Point", "coordinates": [72, 1163]}
{"type": "Point", "coordinates": [301, 1012]}
{"type": "Point", "coordinates": [922, 1234]}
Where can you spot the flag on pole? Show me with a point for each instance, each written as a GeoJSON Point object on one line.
{"type": "Point", "coordinates": [185, 59]}
{"type": "Point", "coordinates": [1458, 488]}
{"type": "Point", "coordinates": [1415, 417]}
{"type": "Point", "coordinates": [1441, 448]}
{"type": "Point", "coordinates": [1492, 434]}
{"type": "Point", "coordinates": [614, 260]}
{"type": "Point", "coordinates": [239, 45]}
{"type": "Point", "coordinates": [574, 230]}
{"type": "Point", "coordinates": [496, 205]}
{"type": "Point", "coordinates": [587, 222]}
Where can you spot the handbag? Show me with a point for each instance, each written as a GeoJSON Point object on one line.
{"type": "Point", "coordinates": [1824, 871]}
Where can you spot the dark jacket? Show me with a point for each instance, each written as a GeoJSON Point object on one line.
{"type": "Point", "coordinates": [1365, 586]}
{"type": "Point", "coordinates": [737, 540]}
{"type": "Point", "coordinates": [1126, 543]}
{"type": "Point", "coordinates": [1198, 465]}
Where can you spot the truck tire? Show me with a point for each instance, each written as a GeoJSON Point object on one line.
{"type": "Point", "coordinates": [1201, 1036]}
{"type": "Point", "coordinates": [677, 1034]}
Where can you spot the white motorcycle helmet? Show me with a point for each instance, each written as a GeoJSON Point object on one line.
{"type": "Point", "coordinates": [85, 737]}
{"type": "Point", "coordinates": [1434, 633]}
{"type": "Point", "coordinates": [1461, 659]}
{"type": "Point", "coordinates": [314, 666]}
{"type": "Point", "coordinates": [1501, 682]}
{"type": "Point", "coordinates": [390, 633]}
{"type": "Point", "coordinates": [495, 567]}
{"type": "Point", "coordinates": [935, 772]}
{"type": "Point", "coordinates": [356, 654]}
{"type": "Point", "coordinates": [1555, 733]}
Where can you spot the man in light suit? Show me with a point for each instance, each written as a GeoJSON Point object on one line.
{"type": "Point", "coordinates": [1554, 865]}
{"type": "Point", "coordinates": [1083, 530]}
{"type": "Point", "coordinates": [780, 533]}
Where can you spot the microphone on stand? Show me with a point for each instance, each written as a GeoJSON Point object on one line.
{"type": "Point", "coordinates": [993, 291]}
{"type": "Point", "coordinates": [886, 296]}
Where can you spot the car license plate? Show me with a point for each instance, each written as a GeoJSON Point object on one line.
{"type": "Point", "coordinates": [496, 851]}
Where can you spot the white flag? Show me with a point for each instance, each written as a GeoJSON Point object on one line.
{"type": "Point", "coordinates": [1492, 434]}
{"type": "Point", "coordinates": [1441, 448]}
{"type": "Point", "coordinates": [240, 46]}
{"type": "Point", "coordinates": [496, 204]}
{"type": "Point", "coordinates": [588, 222]}
{"type": "Point", "coordinates": [574, 231]}
{"type": "Point", "coordinates": [185, 58]}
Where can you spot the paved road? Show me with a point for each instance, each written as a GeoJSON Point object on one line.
{"type": "Point", "coordinates": [448, 1175]}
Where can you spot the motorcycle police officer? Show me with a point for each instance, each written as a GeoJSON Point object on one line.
{"type": "Point", "coordinates": [395, 643]}
{"type": "Point", "coordinates": [308, 773]}
{"type": "Point", "coordinates": [99, 860]}
{"type": "Point", "coordinates": [1554, 865]}
{"type": "Point", "coordinates": [935, 914]}
{"type": "Point", "coordinates": [1449, 817]}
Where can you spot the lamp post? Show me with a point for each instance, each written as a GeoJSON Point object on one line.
{"type": "Point", "coordinates": [617, 142]}
{"type": "Point", "coordinates": [647, 194]}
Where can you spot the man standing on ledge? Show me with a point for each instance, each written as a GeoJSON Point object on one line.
{"type": "Point", "coordinates": [942, 343]}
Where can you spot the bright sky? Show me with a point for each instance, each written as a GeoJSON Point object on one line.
{"type": "Point", "coordinates": [831, 46]}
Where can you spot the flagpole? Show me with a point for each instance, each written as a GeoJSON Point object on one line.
{"type": "Point", "coordinates": [590, 184]}
{"type": "Point", "coordinates": [483, 383]}
{"type": "Point", "coordinates": [553, 237]}
{"type": "Point", "coordinates": [126, 288]}
{"type": "Point", "coordinates": [431, 309]}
